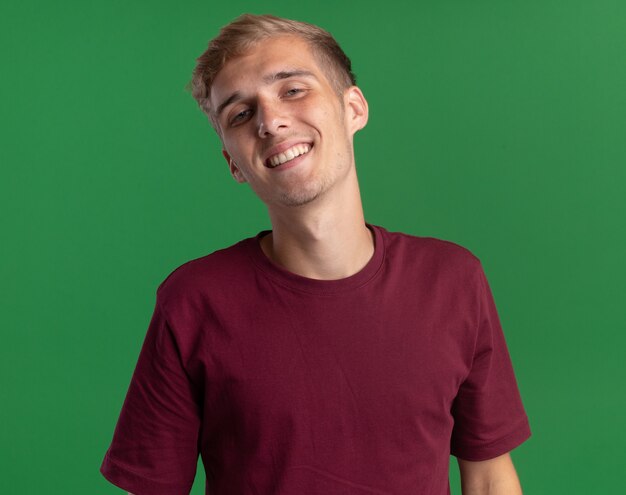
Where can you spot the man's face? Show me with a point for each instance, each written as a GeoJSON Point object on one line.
{"type": "Point", "coordinates": [284, 128]}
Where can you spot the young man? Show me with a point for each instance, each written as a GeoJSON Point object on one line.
{"type": "Point", "coordinates": [326, 356]}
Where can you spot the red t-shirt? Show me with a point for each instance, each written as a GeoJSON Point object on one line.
{"type": "Point", "coordinates": [289, 385]}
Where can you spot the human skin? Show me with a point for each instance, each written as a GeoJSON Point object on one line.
{"type": "Point", "coordinates": [495, 476]}
{"type": "Point", "coordinates": [271, 110]}
{"type": "Point", "coordinates": [314, 203]}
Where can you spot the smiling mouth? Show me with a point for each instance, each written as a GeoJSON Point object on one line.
{"type": "Point", "coordinates": [288, 155]}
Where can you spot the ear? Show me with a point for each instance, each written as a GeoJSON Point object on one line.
{"type": "Point", "coordinates": [356, 109]}
{"type": "Point", "coordinates": [232, 166]}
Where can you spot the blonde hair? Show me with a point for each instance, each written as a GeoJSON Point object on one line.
{"type": "Point", "coordinates": [245, 31]}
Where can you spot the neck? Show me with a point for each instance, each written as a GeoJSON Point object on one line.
{"type": "Point", "coordinates": [326, 239]}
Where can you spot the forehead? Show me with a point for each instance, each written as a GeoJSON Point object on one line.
{"type": "Point", "coordinates": [262, 59]}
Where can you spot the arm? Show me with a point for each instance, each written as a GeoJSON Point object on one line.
{"type": "Point", "coordinates": [491, 477]}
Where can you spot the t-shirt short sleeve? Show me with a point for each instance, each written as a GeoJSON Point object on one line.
{"type": "Point", "coordinates": [489, 417]}
{"type": "Point", "coordinates": [155, 444]}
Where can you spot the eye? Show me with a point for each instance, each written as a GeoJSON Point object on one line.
{"type": "Point", "coordinates": [294, 91]}
{"type": "Point", "coordinates": [240, 117]}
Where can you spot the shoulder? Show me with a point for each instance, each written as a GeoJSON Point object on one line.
{"type": "Point", "coordinates": [429, 251]}
{"type": "Point", "coordinates": [207, 274]}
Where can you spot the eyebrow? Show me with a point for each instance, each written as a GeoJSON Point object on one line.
{"type": "Point", "coordinates": [268, 79]}
{"type": "Point", "coordinates": [286, 74]}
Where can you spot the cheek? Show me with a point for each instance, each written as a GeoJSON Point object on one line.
{"type": "Point", "coordinates": [237, 145]}
{"type": "Point", "coordinates": [325, 119]}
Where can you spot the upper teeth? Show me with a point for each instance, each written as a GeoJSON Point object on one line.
{"type": "Point", "coordinates": [290, 154]}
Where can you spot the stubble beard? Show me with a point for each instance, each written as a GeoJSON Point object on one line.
{"type": "Point", "coordinates": [302, 197]}
{"type": "Point", "coordinates": [304, 194]}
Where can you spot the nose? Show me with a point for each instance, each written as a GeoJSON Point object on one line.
{"type": "Point", "coordinates": [271, 119]}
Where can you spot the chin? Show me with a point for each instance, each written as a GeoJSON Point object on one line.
{"type": "Point", "coordinates": [299, 198]}
{"type": "Point", "coordinates": [304, 193]}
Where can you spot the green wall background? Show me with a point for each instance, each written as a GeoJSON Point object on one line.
{"type": "Point", "coordinates": [499, 125]}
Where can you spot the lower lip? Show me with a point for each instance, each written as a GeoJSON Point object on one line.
{"type": "Point", "coordinates": [291, 163]}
